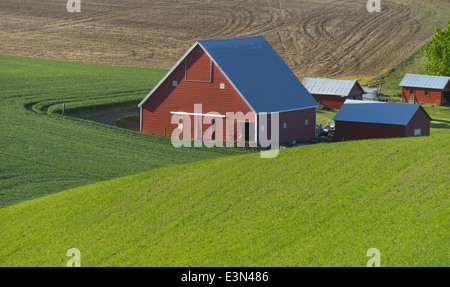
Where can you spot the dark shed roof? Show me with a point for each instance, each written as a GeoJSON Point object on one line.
{"type": "Point", "coordinates": [377, 112]}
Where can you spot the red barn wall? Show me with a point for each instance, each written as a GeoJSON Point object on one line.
{"type": "Point", "coordinates": [356, 131]}
{"type": "Point", "coordinates": [198, 66]}
{"type": "Point", "coordinates": [356, 93]}
{"type": "Point", "coordinates": [336, 102]}
{"type": "Point", "coordinates": [156, 110]}
{"type": "Point", "coordinates": [296, 126]}
{"type": "Point", "coordinates": [434, 96]}
{"type": "Point", "coordinates": [420, 120]}
{"type": "Point", "coordinates": [332, 102]}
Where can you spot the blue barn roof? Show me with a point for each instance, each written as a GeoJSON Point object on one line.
{"type": "Point", "coordinates": [257, 72]}
{"type": "Point", "coordinates": [376, 112]}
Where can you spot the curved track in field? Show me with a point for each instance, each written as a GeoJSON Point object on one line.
{"type": "Point", "coordinates": [314, 37]}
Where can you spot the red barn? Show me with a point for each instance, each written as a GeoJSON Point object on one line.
{"type": "Point", "coordinates": [227, 77]}
{"type": "Point", "coordinates": [332, 93]}
{"type": "Point", "coordinates": [423, 89]}
{"type": "Point", "coordinates": [367, 120]}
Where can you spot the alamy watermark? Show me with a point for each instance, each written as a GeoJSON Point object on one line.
{"type": "Point", "coordinates": [374, 6]}
{"type": "Point", "coordinates": [73, 6]}
{"type": "Point", "coordinates": [238, 129]}
{"type": "Point", "coordinates": [75, 261]}
{"type": "Point", "coordinates": [375, 261]}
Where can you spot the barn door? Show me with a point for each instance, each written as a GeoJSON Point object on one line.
{"type": "Point", "coordinates": [248, 131]}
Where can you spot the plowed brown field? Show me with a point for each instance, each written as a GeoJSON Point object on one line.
{"type": "Point", "coordinates": [314, 37]}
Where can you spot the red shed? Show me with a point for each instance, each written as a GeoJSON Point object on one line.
{"type": "Point", "coordinates": [229, 77]}
{"type": "Point", "coordinates": [423, 89]}
{"type": "Point", "coordinates": [332, 93]}
{"type": "Point", "coordinates": [367, 120]}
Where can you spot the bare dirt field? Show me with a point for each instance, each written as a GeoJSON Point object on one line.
{"type": "Point", "coordinates": [314, 37]}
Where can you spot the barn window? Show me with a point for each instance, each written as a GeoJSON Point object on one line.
{"type": "Point", "coordinates": [411, 91]}
{"type": "Point", "coordinates": [306, 122]}
{"type": "Point", "coordinates": [417, 132]}
{"type": "Point", "coordinates": [175, 83]}
{"type": "Point", "coordinates": [222, 86]}
{"type": "Point", "coordinates": [284, 125]}
{"type": "Point", "coordinates": [427, 93]}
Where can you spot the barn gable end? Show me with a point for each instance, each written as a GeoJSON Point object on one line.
{"type": "Point", "coordinates": [198, 81]}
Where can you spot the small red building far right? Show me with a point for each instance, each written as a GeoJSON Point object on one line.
{"type": "Point", "coordinates": [424, 89]}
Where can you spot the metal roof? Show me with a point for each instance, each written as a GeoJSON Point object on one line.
{"type": "Point", "coordinates": [376, 112]}
{"type": "Point", "coordinates": [332, 87]}
{"type": "Point", "coordinates": [424, 81]}
{"type": "Point", "coordinates": [259, 74]}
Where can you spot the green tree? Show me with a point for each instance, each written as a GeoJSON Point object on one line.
{"type": "Point", "coordinates": [438, 52]}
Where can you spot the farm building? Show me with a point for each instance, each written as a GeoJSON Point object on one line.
{"type": "Point", "coordinates": [332, 93]}
{"type": "Point", "coordinates": [370, 94]}
{"type": "Point", "coordinates": [230, 76]}
{"type": "Point", "coordinates": [423, 89]}
{"type": "Point", "coordinates": [366, 120]}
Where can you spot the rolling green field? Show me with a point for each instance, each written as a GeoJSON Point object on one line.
{"type": "Point", "coordinates": [43, 152]}
{"type": "Point", "coordinates": [317, 205]}
{"type": "Point", "coordinates": [71, 183]}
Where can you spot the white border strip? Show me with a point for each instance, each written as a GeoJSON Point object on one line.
{"type": "Point", "coordinates": [197, 114]}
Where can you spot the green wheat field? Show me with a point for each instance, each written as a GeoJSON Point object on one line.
{"type": "Point", "coordinates": [129, 199]}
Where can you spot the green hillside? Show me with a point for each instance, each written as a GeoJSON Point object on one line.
{"type": "Point", "coordinates": [43, 152]}
{"type": "Point", "coordinates": [390, 80]}
{"type": "Point", "coordinates": [318, 205]}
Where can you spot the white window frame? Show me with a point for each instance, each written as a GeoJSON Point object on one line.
{"type": "Point", "coordinates": [175, 83]}
{"type": "Point", "coordinates": [222, 86]}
